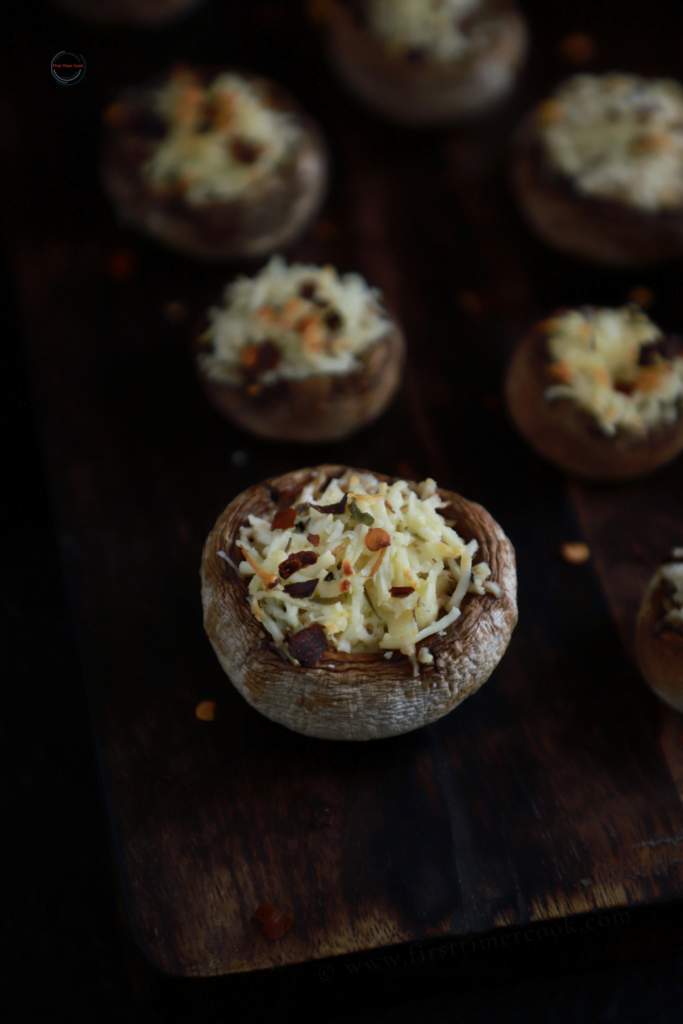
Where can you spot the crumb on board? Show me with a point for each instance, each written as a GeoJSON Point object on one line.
{"type": "Point", "coordinates": [577, 48]}
{"type": "Point", "coordinates": [470, 302]}
{"type": "Point", "coordinates": [174, 311]}
{"type": "Point", "coordinates": [274, 923]}
{"type": "Point", "coordinates": [642, 295]}
{"type": "Point", "coordinates": [575, 552]}
{"type": "Point", "coordinates": [206, 710]}
{"type": "Point", "coordinates": [120, 265]}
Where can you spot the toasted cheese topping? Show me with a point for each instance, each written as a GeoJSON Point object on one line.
{"type": "Point", "coordinates": [220, 139]}
{"type": "Point", "coordinates": [617, 365]}
{"type": "Point", "coordinates": [291, 322]}
{"type": "Point", "coordinates": [618, 137]}
{"type": "Point", "coordinates": [671, 575]}
{"type": "Point", "coordinates": [432, 29]}
{"type": "Point", "coordinates": [375, 565]}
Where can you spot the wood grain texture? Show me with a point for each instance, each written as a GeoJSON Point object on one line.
{"type": "Point", "coordinates": [557, 789]}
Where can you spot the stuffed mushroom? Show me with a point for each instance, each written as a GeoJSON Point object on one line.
{"type": "Point", "coordinates": [300, 353]}
{"type": "Point", "coordinates": [598, 169]}
{"type": "Point", "coordinates": [422, 62]}
{"type": "Point", "coordinates": [659, 632]}
{"type": "Point", "coordinates": [349, 605]}
{"type": "Point", "coordinates": [215, 164]}
{"type": "Point", "coordinates": [599, 392]}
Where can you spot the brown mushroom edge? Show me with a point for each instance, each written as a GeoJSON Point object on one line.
{"type": "Point", "coordinates": [419, 92]}
{"type": "Point", "coordinates": [355, 697]}
{"type": "Point", "coordinates": [318, 408]}
{"type": "Point", "coordinates": [567, 435]}
{"type": "Point", "coordinates": [271, 214]}
{"type": "Point", "coordinates": [598, 230]}
{"type": "Point", "coordinates": [659, 651]}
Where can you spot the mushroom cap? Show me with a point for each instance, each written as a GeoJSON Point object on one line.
{"type": "Point", "coordinates": [659, 653]}
{"type": "Point", "coordinates": [568, 435]}
{"type": "Point", "coordinates": [270, 214]}
{"type": "Point", "coordinates": [425, 92]}
{"type": "Point", "coordinates": [322, 407]}
{"type": "Point", "coordinates": [599, 230]}
{"type": "Point", "coordinates": [355, 696]}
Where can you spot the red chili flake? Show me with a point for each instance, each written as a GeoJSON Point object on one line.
{"type": "Point", "coordinates": [274, 923]}
{"type": "Point", "coordinates": [303, 589]}
{"type": "Point", "coordinates": [284, 498]}
{"type": "Point", "coordinates": [259, 358]}
{"type": "Point", "coordinates": [121, 265]}
{"type": "Point", "coordinates": [376, 539]}
{"type": "Point", "coordinates": [283, 519]}
{"type": "Point", "coordinates": [313, 538]}
{"type": "Point", "coordinates": [333, 320]}
{"type": "Point", "coordinates": [245, 151]}
{"type": "Point", "coordinates": [335, 510]}
{"type": "Point", "coordinates": [401, 591]}
{"type": "Point", "coordinates": [347, 567]}
{"type": "Point", "coordinates": [308, 644]}
{"type": "Point", "coordinates": [297, 560]}
{"type": "Point", "coordinates": [307, 290]}
{"type": "Point", "coordinates": [344, 586]}
{"type": "Point", "coordinates": [624, 388]}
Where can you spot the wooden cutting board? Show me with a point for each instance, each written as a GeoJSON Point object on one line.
{"type": "Point", "coordinates": [556, 791]}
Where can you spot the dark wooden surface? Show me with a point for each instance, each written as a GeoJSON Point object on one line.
{"type": "Point", "coordinates": [553, 792]}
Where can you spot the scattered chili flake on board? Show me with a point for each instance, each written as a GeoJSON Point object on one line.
{"type": "Point", "coordinates": [120, 265]}
{"type": "Point", "coordinates": [323, 230]}
{"type": "Point", "coordinates": [303, 589]}
{"type": "Point", "coordinates": [274, 923]}
{"type": "Point", "coordinates": [642, 295]}
{"type": "Point", "coordinates": [206, 710]}
{"type": "Point", "coordinates": [174, 311]}
{"type": "Point", "coordinates": [308, 644]}
{"type": "Point", "coordinates": [575, 552]}
{"type": "Point", "coordinates": [297, 560]}
{"type": "Point", "coordinates": [283, 519]}
{"type": "Point", "coordinates": [577, 48]}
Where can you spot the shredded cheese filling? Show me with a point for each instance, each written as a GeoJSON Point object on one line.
{"type": "Point", "coordinates": [672, 576]}
{"type": "Point", "coordinates": [220, 139]}
{"type": "Point", "coordinates": [618, 366]}
{"type": "Point", "coordinates": [291, 322]}
{"type": "Point", "coordinates": [383, 574]}
{"type": "Point", "coordinates": [618, 137]}
{"type": "Point", "coordinates": [429, 28]}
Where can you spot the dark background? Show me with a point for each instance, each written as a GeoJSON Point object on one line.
{"type": "Point", "coordinates": [63, 952]}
